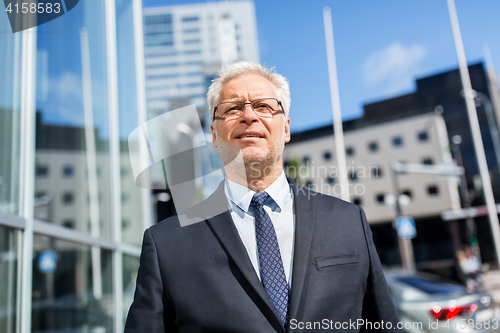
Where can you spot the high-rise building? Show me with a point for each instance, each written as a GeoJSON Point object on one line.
{"type": "Point", "coordinates": [186, 45]}
{"type": "Point", "coordinates": [71, 217]}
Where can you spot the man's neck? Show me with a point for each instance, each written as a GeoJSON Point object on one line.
{"type": "Point", "coordinates": [255, 179]}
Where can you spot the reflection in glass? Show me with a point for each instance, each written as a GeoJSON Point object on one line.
{"type": "Point", "coordinates": [130, 268]}
{"type": "Point", "coordinates": [128, 121]}
{"type": "Point", "coordinates": [10, 57]}
{"type": "Point", "coordinates": [72, 287]}
{"type": "Point", "coordinates": [72, 181]}
{"type": "Point", "coordinates": [9, 252]}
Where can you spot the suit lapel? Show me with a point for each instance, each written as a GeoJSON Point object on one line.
{"type": "Point", "coordinates": [304, 229]}
{"type": "Point", "coordinates": [225, 231]}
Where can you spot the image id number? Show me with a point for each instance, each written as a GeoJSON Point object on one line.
{"type": "Point", "coordinates": [33, 8]}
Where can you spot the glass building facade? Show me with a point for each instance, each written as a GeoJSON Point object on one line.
{"type": "Point", "coordinates": [71, 215]}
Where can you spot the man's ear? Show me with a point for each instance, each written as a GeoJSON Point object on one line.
{"type": "Point", "coordinates": [214, 137]}
{"type": "Point", "coordinates": [287, 130]}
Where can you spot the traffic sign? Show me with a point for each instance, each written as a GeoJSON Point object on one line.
{"type": "Point", "coordinates": [47, 261]}
{"type": "Point", "coordinates": [406, 227]}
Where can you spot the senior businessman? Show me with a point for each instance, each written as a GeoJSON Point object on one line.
{"type": "Point", "coordinates": [280, 258]}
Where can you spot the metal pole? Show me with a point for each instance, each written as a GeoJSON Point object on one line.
{"type": "Point", "coordinates": [476, 132]}
{"type": "Point", "coordinates": [495, 137]}
{"type": "Point", "coordinates": [405, 244]}
{"type": "Point", "coordinates": [338, 131]}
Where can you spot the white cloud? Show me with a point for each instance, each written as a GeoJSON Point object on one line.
{"type": "Point", "coordinates": [392, 69]}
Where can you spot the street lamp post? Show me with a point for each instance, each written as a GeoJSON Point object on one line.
{"type": "Point", "coordinates": [475, 129]}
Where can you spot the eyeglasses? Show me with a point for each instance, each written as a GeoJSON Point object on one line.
{"type": "Point", "coordinates": [263, 108]}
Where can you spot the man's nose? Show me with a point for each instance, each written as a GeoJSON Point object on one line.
{"type": "Point", "coordinates": [248, 113]}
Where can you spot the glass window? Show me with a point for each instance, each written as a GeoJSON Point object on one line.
{"type": "Point", "coordinates": [373, 146]}
{"type": "Point", "coordinates": [10, 252]}
{"type": "Point", "coordinates": [127, 122]}
{"type": "Point", "coordinates": [423, 136]}
{"type": "Point", "coordinates": [376, 172]}
{"type": "Point", "coordinates": [330, 180]}
{"type": "Point", "coordinates": [10, 68]}
{"type": "Point", "coordinates": [428, 161]}
{"type": "Point", "coordinates": [433, 190]}
{"type": "Point", "coordinates": [190, 19]}
{"type": "Point", "coordinates": [380, 198]}
{"type": "Point", "coordinates": [67, 198]}
{"type": "Point", "coordinates": [397, 141]}
{"type": "Point", "coordinates": [357, 201]}
{"type": "Point", "coordinates": [408, 193]}
{"type": "Point", "coordinates": [72, 287]}
{"type": "Point", "coordinates": [130, 267]}
{"type": "Point", "coordinates": [353, 176]}
{"type": "Point", "coordinates": [349, 151]}
{"type": "Point", "coordinates": [327, 155]}
{"type": "Point", "coordinates": [42, 170]}
{"type": "Point", "coordinates": [67, 171]}
{"type": "Point", "coordinates": [70, 126]}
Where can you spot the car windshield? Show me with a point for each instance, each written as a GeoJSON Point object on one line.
{"type": "Point", "coordinates": [431, 287]}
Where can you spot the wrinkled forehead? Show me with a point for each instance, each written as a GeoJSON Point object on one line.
{"type": "Point", "coordinates": [247, 87]}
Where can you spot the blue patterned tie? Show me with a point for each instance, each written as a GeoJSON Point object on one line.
{"type": "Point", "coordinates": [272, 272]}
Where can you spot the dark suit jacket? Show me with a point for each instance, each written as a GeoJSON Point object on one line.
{"type": "Point", "coordinates": [199, 278]}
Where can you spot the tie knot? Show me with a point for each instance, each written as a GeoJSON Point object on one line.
{"type": "Point", "coordinates": [259, 198]}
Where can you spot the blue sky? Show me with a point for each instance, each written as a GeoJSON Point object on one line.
{"type": "Point", "coordinates": [381, 48]}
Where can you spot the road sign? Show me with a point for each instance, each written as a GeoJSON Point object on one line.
{"type": "Point", "coordinates": [406, 227]}
{"type": "Point", "coordinates": [47, 261]}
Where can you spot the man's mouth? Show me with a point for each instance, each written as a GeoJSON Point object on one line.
{"type": "Point", "coordinates": [249, 135]}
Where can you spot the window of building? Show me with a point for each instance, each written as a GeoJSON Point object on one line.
{"type": "Point", "coordinates": [68, 198]}
{"type": "Point", "coordinates": [432, 190]}
{"type": "Point", "coordinates": [192, 63]}
{"type": "Point", "coordinates": [376, 172]}
{"type": "Point", "coordinates": [380, 198]}
{"type": "Point", "coordinates": [428, 161]}
{"type": "Point", "coordinates": [423, 136]}
{"type": "Point", "coordinates": [309, 184]}
{"type": "Point", "coordinates": [349, 151]}
{"type": "Point", "coordinates": [192, 41]}
{"type": "Point", "coordinates": [357, 201]}
{"type": "Point", "coordinates": [327, 156]}
{"type": "Point", "coordinates": [373, 146]}
{"type": "Point", "coordinates": [42, 170]}
{"type": "Point", "coordinates": [330, 180]}
{"type": "Point", "coordinates": [68, 224]}
{"type": "Point", "coordinates": [67, 171]}
{"type": "Point", "coordinates": [191, 31]}
{"type": "Point", "coordinates": [190, 19]}
{"type": "Point", "coordinates": [306, 160]}
{"type": "Point", "coordinates": [353, 176]}
{"type": "Point", "coordinates": [408, 193]}
{"type": "Point", "coordinates": [397, 141]}
{"type": "Point", "coordinates": [187, 52]}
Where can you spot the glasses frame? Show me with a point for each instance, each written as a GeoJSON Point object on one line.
{"type": "Point", "coordinates": [250, 103]}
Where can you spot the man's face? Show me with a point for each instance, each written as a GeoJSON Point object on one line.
{"type": "Point", "coordinates": [260, 140]}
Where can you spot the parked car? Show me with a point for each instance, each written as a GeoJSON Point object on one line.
{"type": "Point", "coordinates": [428, 303]}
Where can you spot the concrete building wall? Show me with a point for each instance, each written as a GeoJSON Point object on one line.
{"type": "Point", "coordinates": [369, 152]}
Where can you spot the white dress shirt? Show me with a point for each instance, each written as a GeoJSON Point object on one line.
{"type": "Point", "coordinates": [279, 209]}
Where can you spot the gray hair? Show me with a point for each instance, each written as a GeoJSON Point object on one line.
{"type": "Point", "coordinates": [232, 71]}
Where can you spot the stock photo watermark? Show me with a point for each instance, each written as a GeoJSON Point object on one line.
{"type": "Point", "coordinates": [26, 14]}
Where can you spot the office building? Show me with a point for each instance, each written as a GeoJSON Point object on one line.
{"type": "Point", "coordinates": [186, 45]}
{"type": "Point", "coordinates": [415, 128]}
{"type": "Point", "coordinates": [71, 216]}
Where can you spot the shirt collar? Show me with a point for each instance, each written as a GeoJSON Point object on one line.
{"type": "Point", "coordinates": [241, 196]}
